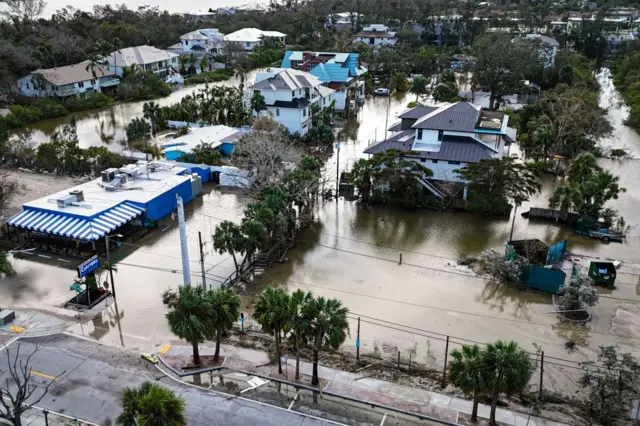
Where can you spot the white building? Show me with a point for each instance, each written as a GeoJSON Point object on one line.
{"type": "Point", "coordinates": [548, 48]}
{"type": "Point", "coordinates": [66, 81]}
{"type": "Point", "coordinates": [146, 58]}
{"type": "Point", "coordinates": [446, 138]}
{"type": "Point", "coordinates": [289, 95]}
{"type": "Point", "coordinates": [250, 38]}
{"type": "Point", "coordinates": [343, 21]}
{"type": "Point", "coordinates": [376, 35]}
{"type": "Point", "coordinates": [204, 40]}
{"type": "Point", "coordinates": [217, 137]}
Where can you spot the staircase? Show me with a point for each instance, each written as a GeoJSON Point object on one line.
{"type": "Point", "coordinates": [435, 191]}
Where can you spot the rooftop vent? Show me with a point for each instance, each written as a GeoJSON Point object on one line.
{"type": "Point", "coordinates": [78, 194]}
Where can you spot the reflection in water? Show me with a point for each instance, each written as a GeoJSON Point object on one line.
{"type": "Point", "coordinates": [497, 296]}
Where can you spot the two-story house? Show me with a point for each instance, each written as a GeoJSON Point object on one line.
{"type": "Point", "coordinates": [548, 48]}
{"type": "Point", "coordinates": [250, 38]}
{"type": "Point", "coordinates": [67, 81]}
{"type": "Point", "coordinates": [146, 58]}
{"type": "Point", "coordinates": [341, 72]}
{"type": "Point", "coordinates": [376, 35]}
{"type": "Point", "coordinates": [289, 95]}
{"type": "Point", "coordinates": [343, 21]}
{"type": "Point", "coordinates": [207, 40]}
{"type": "Point", "coordinates": [446, 138]}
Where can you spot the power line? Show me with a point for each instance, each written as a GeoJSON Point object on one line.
{"type": "Point", "coordinates": [172, 271]}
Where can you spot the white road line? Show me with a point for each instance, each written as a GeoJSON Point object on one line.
{"type": "Point", "coordinates": [10, 341]}
{"type": "Point", "coordinates": [46, 257]}
{"type": "Point", "coordinates": [383, 419]}
{"type": "Point", "coordinates": [294, 400]}
{"type": "Point", "coordinates": [64, 260]}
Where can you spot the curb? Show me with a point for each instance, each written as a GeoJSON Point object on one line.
{"type": "Point", "coordinates": [190, 373]}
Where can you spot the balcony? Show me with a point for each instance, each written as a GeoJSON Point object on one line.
{"type": "Point", "coordinates": [109, 83]}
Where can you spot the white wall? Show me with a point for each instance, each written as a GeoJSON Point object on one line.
{"type": "Point", "coordinates": [441, 169]}
{"type": "Point", "coordinates": [377, 41]}
{"type": "Point", "coordinates": [291, 118]}
{"type": "Point", "coordinates": [26, 88]}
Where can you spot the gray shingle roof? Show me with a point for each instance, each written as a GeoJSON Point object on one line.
{"type": "Point", "coordinates": [396, 127]}
{"type": "Point", "coordinates": [459, 117]}
{"type": "Point", "coordinates": [287, 79]}
{"type": "Point", "coordinates": [417, 112]}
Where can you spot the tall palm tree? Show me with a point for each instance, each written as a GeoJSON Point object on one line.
{"type": "Point", "coordinates": [419, 86]}
{"type": "Point", "coordinates": [151, 405]}
{"type": "Point", "coordinates": [254, 238]}
{"type": "Point", "coordinates": [92, 62]}
{"type": "Point", "coordinates": [224, 311]}
{"type": "Point", "coordinates": [189, 316]}
{"type": "Point", "coordinates": [151, 111]}
{"type": "Point", "coordinates": [297, 321]}
{"type": "Point", "coordinates": [241, 74]}
{"type": "Point", "coordinates": [466, 371]}
{"type": "Point", "coordinates": [227, 239]}
{"type": "Point", "coordinates": [5, 265]}
{"type": "Point", "coordinates": [326, 327]}
{"type": "Point", "coordinates": [566, 198]}
{"type": "Point", "coordinates": [272, 313]}
{"type": "Point", "coordinates": [508, 369]}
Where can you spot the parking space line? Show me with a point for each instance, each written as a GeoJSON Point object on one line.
{"type": "Point", "coordinates": [46, 376]}
{"type": "Point", "coordinates": [383, 419]}
{"type": "Point", "coordinates": [294, 400]}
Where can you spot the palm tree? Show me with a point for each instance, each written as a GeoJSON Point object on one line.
{"type": "Point", "coordinates": [5, 265]}
{"type": "Point", "coordinates": [189, 316]}
{"type": "Point", "coordinates": [183, 61]}
{"type": "Point", "coordinates": [92, 62]}
{"type": "Point", "coordinates": [362, 176]}
{"type": "Point", "coordinates": [326, 326]}
{"type": "Point", "coordinates": [224, 311]}
{"type": "Point", "coordinates": [566, 198]}
{"type": "Point", "coordinates": [466, 371]}
{"type": "Point", "coordinates": [419, 86]}
{"type": "Point", "coordinates": [204, 63]}
{"type": "Point", "coordinates": [151, 405]}
{"type": "Point", "coordinates": [508, 369]}
{"type": "Point", "coordinates": [297, 321]}
{"type": "Point", "coordinates": [151, 111]}
{"type": "Point", "coordinates": [227, 239]}
{"type": "Point", "coordinates": [254, 238]}
{"type": "Point", "coordinates": [241, 74]}
{"type": "Point", "coordinates": [272, 313]}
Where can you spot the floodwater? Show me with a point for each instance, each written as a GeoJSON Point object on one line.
{"type": "Point", "coordinates": [352, 253]}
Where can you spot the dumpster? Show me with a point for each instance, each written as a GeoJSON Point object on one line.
{"type": "Point", "coordinates": [602, 272]}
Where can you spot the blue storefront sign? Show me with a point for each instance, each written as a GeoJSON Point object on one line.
{"type": "Point", "coordinates": [88, 266]}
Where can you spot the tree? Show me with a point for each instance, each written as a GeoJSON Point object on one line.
{"type": "Point", "coordinates": [502, 64]}
{"type": "Point", "coordinates": [579, 293]}
{"type": "Point", "coordinates": [399, 82]}
{"type": "Point", "coordinates": [9, 188]}
{"type": "Point", "coordinates": [508, 369]}
{"type": "Point", "coordinates": [362, 178]}
{"type": "Point", "coordinates": [446, 92]}
{"type": "Point", "coordinates": [297, 321]}
{"type": "Point", "coordinates": [151, 111]}
{"type": "Point", "coordinates": [419, 86]}
{"type": "Point", "coordinates": [5, 265]}
{"type": "Point", "coordinates": [27, 10]}
{"type": "Point", "coordinates": [137, 129]}
{"type": "Point", "coordinates": [224, 311]}
{"type": "Point", "coordinates": [189, 316]}
{"type": "Point", "coordinates": [466, 371]}
{"type": "Point", "coordinates": [326, 327]}
{"type": "Point", "coordinates": [92, 62]}
{"type": "Point", "coordinates": [495, 182]}
{"type": "Point", "coordinates": [566, 199]}
{"type": "Point", "coordinates": [151, 404]}
{"type": "Point", "coordinates": [257, 103]}
{"type": "Point", "coordinates": [272, 313]}
{"type": "Point", "coordinates": [227, 239]}
{"type": "Point", "coordinates": [18, 392]}
{"type": "Point", "coordinates": [501, 268]}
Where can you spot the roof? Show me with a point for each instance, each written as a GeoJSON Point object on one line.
{"type": "Point", "coordinates": [202, 34]}
{"type": "Point", "coordinates": [252, 35]}
{"type": "Point", "coordinates": [417, 112]}
{"type": "Point", "coordinates": [457, 117]}
{"type": "Point", "coordinates": [338, 67]}
{"type": "Point", "coordinates": [544, 39]}
{"type": "Point", "coordinates": [374, 34]}
{"type": "Point", "coordinates": [453, 148]}
{"type": "Point", "coordinates": [215, 135]}
{"type": "Point", "coordinates": [72, 73]}
{"type": "Point", "coordinates": [298, 103]}
{"type": "Point", "coordinates": [138, 55]}
{"type": "Point", "coordinates": [287, 79]}
{"type": "Point", "coordinates": [325, 91]}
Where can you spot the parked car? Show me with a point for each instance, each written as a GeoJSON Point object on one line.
{"type": "Point", "coordinates": [382, 92]}
{"type": "Point", "coordinates": [605, 235]}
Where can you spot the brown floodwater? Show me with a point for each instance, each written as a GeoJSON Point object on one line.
{"type": "Point", "coordinates": [352, 253]}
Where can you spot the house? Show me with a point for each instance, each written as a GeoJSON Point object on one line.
{"type": "Point", "coordinates": [616, 40]}
{"type": "Point", "coordinates": [446, 30]}
{"type": "Point", "coordinates": [146, 58]}
{"type": "Point", "coordinates": [548, 48]}
{"type": "Point", "coordinates": [341, 72]}
{"type": "Point", "coordinates": [250, 38]}
{"type": "Point", "coordinates": [220, 137]}
{"type": "Point", "coordinates": [289, 95]}
{"type": "Point", "coordinates": [343, 21]}
{"type": "Point", "coordinates": [198, 15]}
{"type": "Point", "coordinates": [446, 138]}
{"type": "Point", "coordinates": [67, 81]}
{"type": "Point", "coordinates": [376, 35]}
{"type": "Point", "coordinates": [203, 40]}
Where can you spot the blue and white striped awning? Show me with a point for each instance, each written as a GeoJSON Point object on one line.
{"type": "Point", "coordinates": [76, 227]}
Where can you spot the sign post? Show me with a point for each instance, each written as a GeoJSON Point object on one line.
{"type": "Point", "coordinates": [88, 266]}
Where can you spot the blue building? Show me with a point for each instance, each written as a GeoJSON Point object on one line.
{"type": "Point", "coordinates": [220, 137]}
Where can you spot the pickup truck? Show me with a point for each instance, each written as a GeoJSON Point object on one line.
{"type": "Point", "coordinates": [605, 235]}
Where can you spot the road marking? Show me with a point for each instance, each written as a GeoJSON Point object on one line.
{"type": "Point", "coordinates": [16, 328]}
{"type": "Point", "coordinates": [46, 257]}
{"type": "Point", "coordinates": [294, 400]}
{"type": "Point", "coordinates": [165, 349]}
{"type": "Point", "coordinates": [383, 419]}
{"type": "Point", "coordinates": [64, 260]}
{"type": "Point", "coordinates": [46, 376]}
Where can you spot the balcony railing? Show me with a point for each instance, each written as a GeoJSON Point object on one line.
{"type": "Point", "coordinates": [109, 83]}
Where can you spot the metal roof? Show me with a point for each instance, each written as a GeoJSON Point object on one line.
{"type": "Point", "coordinates": [138, 55]}
{"type": "Point", "coordinates": [287, 79]}
{"type": "Point", "coordinates": [298, 103]}
{"type": "Point", "coordinates": [72, 73]}
{"type": "Point", "coordinates": [252, 35]}
{"type": "Point", "coordinates": [418, 112]}
{"type": "Point", "coordinates": [458, 117]}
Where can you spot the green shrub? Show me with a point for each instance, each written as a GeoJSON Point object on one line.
{"type": "Point", "coordinates": [209, 77]}
{"type": "Point", "coordinates": [89, 101]}
{"type": "Point", "coordinates": [142, 86]}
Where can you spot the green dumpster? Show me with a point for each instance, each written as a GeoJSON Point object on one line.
{"type": "Point", "coordinates": [602, 272]}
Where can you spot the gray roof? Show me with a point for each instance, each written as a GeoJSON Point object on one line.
{"type": "Point", "coordinates": [73, 73]}
{"type": "Point", "coordinates": [299, 103]}
{"type": "Point", "coordinates": [417, 112]}
{"type": "Point", "coordinates": [453, 148]}
{"type": "Point", "coordinates": [287, 79]}
{"type": "Point", "coordinates": [458, 117]}
{"type": "Point", "coordinates": [396, 127]}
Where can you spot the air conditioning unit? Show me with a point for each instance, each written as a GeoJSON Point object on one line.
{"type": "Point", "coordinates": [78, 194]}
{"type": "Point", "coordinates": [123, 178]}
{"type": "Point", "coordinates": [66, 201]}
{"type": "Point", "coordinates": [108, 175]}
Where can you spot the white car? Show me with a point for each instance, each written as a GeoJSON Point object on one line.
{"type": "Point", "coordinates": [382, 92]}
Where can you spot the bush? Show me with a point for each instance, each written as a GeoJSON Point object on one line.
{"type": "Point", "coordinates": [209, 77]}
{"type": "Point", "coordinates": [142, 86]}
{"type": "Point", "coordinates": [93, 100]}
{"type": "Point", "coordinates": [138, 129]}
{"type": "Point", "coordinates": [500, 268]}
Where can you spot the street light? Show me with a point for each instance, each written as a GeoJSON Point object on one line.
{"type": "Point", "coordinates": [106, 243]}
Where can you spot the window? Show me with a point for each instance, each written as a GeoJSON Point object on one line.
{"type": "Point", "coordinates": [186, 42]}
{"type": "Point", "coordinates": [93, 81]}
{"type": "Point", "coordinates": [81, 84]}
{"type": "Point", "coordinates": [419, 133]}
{"type": "Point", "coordinates": [293, 93]}
{"type": "Point", "coordinates": [247, 44]}
{"type": "Point", "coordinates": [423, 160]}
{"type": "Point", "coordinates": [440, 135]}
{"type": "Point", "coordinates": [455, 163]}
{"type": "Point", "coordinates": [256, 92]}
{"type": "Point", "coordinates": [434, 161]}
{"type": "Point", "coordinates": [277, 112]}
{"type": "Point", "coordinates": [304, 112]}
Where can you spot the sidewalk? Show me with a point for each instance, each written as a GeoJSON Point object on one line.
{"type": "Point", "coordinates": [353, 385]}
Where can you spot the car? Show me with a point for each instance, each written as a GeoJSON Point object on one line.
{"type": "Point", "coordinates": [382, 92]}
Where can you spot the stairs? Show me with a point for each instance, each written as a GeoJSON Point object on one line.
{"type": "Point", "coordinates": [431, 188]}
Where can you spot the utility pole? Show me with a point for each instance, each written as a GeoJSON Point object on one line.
{"type": "Point", "coordinates": [186, 273]}
{"type": "Point", "coordinates": [106, 245]}
{"type": "Point", "coordinates": [386, 123]}
{"type": "Point", "coordinates": [204, 280]}
{"type": "Point", "coordinates": [513, 222]}
{"type": "Point", "coordinates": [338, 168]}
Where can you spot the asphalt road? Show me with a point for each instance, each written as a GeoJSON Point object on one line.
{"type": "Point", "coordinates": [91, 377]}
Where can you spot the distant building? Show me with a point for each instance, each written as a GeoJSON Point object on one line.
{"type": "Point", "coordinates": [548, 48]}
{"type": "Point", "coordinates": [67, 81]}
{"type": "Point", "coordinates": [376, 35]}
{"type": "Point", "coordinates": [446, 138]}
{"type": "Point", "coordinates": [250, 38]}
{"type": "Point", "coordinates": [616, 40]}
{"type": "Point", "coordinates": [199, 15]}
{"type": "Point", "coordinates": [220, 137]}
{"type": "Point", "coordinates": [444, 30]}
{"type": "Point", "coordinates": [341, 72]}
{"type": "Point", "coordinates": [343, 21]}
{"type": "Point", "coordinates": [146, 58]}
{"type": "Point", "coordinates": [203, 40]}
{"type": "Point", "coordinates": [289, 95]}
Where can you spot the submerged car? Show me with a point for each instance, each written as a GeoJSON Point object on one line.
{"type": "Point", "coordinates": [382, 92]}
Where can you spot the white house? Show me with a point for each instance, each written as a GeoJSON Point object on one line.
{"type": "Point", "coordinates": [343, 21]}
{"type": "Point", "coordinates": [250, 38]}
{"type": "Point", "coordinates": [548, 48]}
{"type": "Point", "coordinates": [376, 35]}
{"type": "Point", "coordinates": [203, 40]}
{"type": "Point", "coordinates": [144, 57]}
{"type": "Point", "coordinates": [66, 81]}
{"type": "Point", "coordinates": [289, 95]}
{"type": "Point", "coordinates": [446, 138]}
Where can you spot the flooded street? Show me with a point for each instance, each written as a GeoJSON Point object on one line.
{"type": "Point", "coordinates": [352, 253]}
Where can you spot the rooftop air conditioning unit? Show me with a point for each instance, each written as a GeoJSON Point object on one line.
{"type": "Point", "coordinates": [108, 175]}
{"type": "Point", "coordinates": [78, 194]}
{"type": "Point", "coordinates": [65, 201]}
{"type": "Point", "coordinates": [123, 178]}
